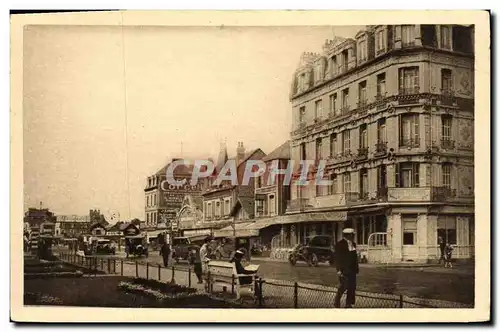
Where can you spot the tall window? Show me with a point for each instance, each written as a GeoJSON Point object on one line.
{"type": "Point", "coordinates": [345, 60]}
{"type": "Point", "coordinates": [381, 177]}
{"type": "Point", "coordinates": [381, 131]}
{"type": "Point", "coordinates": [407, 175]}
{"type": "Point", "coordinates": [345, 99]}
{"type": "Point", "coordinates": [319, 147]}
{"type": "Point", "coordinates": [303, 154]}
{"type": "Point", "coordinates": [333, 145]}
{"type": "Point", "coordinates": [259, 207]}
{"type": "Point", "coordinates": [410, 230]}
{"type": "Point", "coordinates": [272, 205]}
{"type": "Point", "coordinates": [446, 121]}
{"type": "Point", "coordinates": [362, 93]}
{"type": "Point", "coordinates": [347, 182]}
{"type": "Point", "coordinates": [318, 109]}
{"type": "Point", "coordinates": [445, 37]}
{"type": "Point", "coordinates": [409, 130]}
{"type": "Point", "coordinates": [334, 65]}
{"type": "Point", "coordinates": [446, 173]}
{"type": "Point", "coordinates": [332, 189]}
{"type": "Point", "coordinates": [408, 80]}
{"type": "Point", "coordinates": [318, 75]}
{"type": "Point", "coordinates": [302, 82]}
{"type": "Point", "coordinates": [363, 136]}
{"type": "Point", "coordinates": [362, 51]}
{"type": "Point", "coordinates": [209, 210]}
{"type": "Point", "coordinates": [333, 103]}
{"type": "Point", "coordinates": [147, 201]}
{"type": "Point", "coordinates": [363, 183]}
{"type": "Point", "coordinates": [217, 209]}
{"type": "Point", "coordinates": [302, 114]}
{"type": "Point", "coordinates": [381, 85]}
{"type": "Point", "coordinates": [446, 81]}
{"type": "Point", "coordinates": [227, 207]}
{"type": "Point", "coordinates": [346, 141]}
{"type": "Point", "coordinates": [447, 229]}
{"type": "Point", "coordinates": [379, 41]}
{"type": "Point", "coordinates": [408, 35]}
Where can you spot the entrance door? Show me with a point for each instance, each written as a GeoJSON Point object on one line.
{"type": "Point", "coordinates": [410, 239]}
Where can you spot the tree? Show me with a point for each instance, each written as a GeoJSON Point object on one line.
{"type": "Point", "coordinates": [136, 222]}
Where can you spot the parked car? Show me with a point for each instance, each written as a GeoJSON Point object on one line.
{"type": "Point", "coordinates": [318, 249]}
{"type": "Point", "coordinates": [105, 246]}
{"type": "Point", "coordinates": [136, 245]}
{"type": "Point", "coordinates": [181, 248]}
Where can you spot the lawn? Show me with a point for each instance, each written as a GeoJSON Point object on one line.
{"type": "Point", "coordinates": [104, 292]}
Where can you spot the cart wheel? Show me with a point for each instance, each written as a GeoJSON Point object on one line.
{"type": "Point", "coordinates": [314, 260]}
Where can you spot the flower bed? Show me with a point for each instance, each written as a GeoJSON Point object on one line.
{"type": "Point", "coordinates": [41, 299]}
{"type": "Point", "coordinates": [158, 290]}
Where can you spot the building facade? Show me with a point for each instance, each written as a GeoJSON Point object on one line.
{"type": "Point", "coordinates": [227, 203]}
{"type": "Point", "coordinates": [392, 112]}
{"type": "Point", "coordinates": [73, 225]}
{"type": "Point", "coordinates": [163, 201]}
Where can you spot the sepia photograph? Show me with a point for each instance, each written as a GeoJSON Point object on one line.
{"type": "Point", "coordinates": [264, 160]}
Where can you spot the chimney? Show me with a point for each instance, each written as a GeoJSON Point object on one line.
{"type": "Point", "coordinates": [240, 152]}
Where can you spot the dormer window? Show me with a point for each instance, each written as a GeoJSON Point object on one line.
{"type": "Point", "coordinates": [362, 51]}
{"type": "Point", "coordinates": [318, 77]}
{"type": "Point", "coordinates": [446, 37]}
{"type": "Point", "coordinates": [380, 43]}
{"type": "Point", "coordinates": [408, 35]}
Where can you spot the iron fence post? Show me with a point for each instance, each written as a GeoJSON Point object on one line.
{"type": "Point", "coordinates": [401, 300]}
{"type": "Point", "coordinates": [109, 265]}
{"type": "Point", "coordinates": [261, 296]}
{"type": "Point", "coordinates": [136, 269]}
{"type": "Point", "coordinates": [295, 295]}
{"type": "Point", "coordinates": [121, 267]}
{"type": "Point", "coordinates": [159, 272]}
{"type": "Point", "coordinates": [189, 276]}
{"type": "Point", "coordinates": [232, 284]}
{"type": "Point", "coordinates": [147, 270]}
{"type": "Point", "coordinates": [173, 275]}
{"type": "Point", "coordinates": [209, 284]}
{"type": "Point", "coordinates": [102, 264]}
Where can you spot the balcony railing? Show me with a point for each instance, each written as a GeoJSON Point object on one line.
{"type": "Point", "coordinates": [382, 193]}
{"type": "Point", "coordinates": [410, 143]}
{"type": "Point", "coordinates": [298, 204]}
{"type": "Point", "coordinates": [423, 194]}
{"type": "Point", "coordinates": [409, 90]}
{"type": "Point", "coordinates": [447, 144]}
{"type": "Point", "coordinates": [345, 109]}
{"type": "Point", "coordinates": [380, 51]}
{"type": "Point", "coordinates": [408, 44]}
{"type": "Point", "coordinates": [380, 149]}
{"type": "Point", "coordinates": [362, 153]}
{"type": "Point", "coordinates": [342, 69]}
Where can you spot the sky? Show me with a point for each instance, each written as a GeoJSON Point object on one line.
{"type": "Point", "coordinates": [103, 108]}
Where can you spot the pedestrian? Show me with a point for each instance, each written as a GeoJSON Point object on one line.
{"type": "Point", "coordinates": [195, 259]}
{"type": "Point", "coordinates": [204, 252]}
{"type": "Point", "coordinates": [347, 268]}
{"type": "Point", "coordinates": [442, 246]}
{"type": "Point", "coordinates": [240, 269]}
{"type": "Point", "coordinates": [448, 252]}
{"type": "Point", "coordinates": [165, 252]}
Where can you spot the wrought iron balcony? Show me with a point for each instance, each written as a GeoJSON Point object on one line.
{"type": "Point", "coordinates": [382, 193]}
{"type": "Point", "coordinates": [443, 193]}
{"type": "Point", "coordinates": [409, 90]}
{"type": "Point", "coordinates": [345, 109]}
{"type": "Point", "coordinates": [362, 103]}
{"type": "Point", "coordinates": [447, 144]}
{"type": "Point", "coordinates": [409, 143]}
{"type": "Point", "coordinates": [380, 149]}
{"type": "Point", "coordinates": [362, 153]}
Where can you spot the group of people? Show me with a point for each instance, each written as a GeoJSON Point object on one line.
{"type": "Point", "coordinates": [446, 251]}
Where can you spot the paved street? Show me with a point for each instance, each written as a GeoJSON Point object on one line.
{"type": "Point", "coordinates": [455, 284]}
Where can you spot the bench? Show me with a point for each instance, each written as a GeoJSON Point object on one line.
{"type": "Point", "coordinates": [224, 273]}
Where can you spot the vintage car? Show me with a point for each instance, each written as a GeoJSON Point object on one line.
{"type": "Point", "coordinates": [136, 246]}
{"type": "Point", "coordinates": [229, 245]}
{"type": "Point", "coordinates": [105, 246]}
{"type": "Point", "coordinates": [182, 247]}
{"type": "Point", "coordinates": [318, 249]}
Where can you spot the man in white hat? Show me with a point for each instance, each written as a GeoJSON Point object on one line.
{"type": "Point", "coordinates": [346, 260]}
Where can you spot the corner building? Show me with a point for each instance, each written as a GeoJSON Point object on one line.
{"type": "Point", "coordinates": [392, 112]}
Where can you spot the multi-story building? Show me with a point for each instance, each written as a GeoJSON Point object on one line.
{"type": "Point", "coordinates": [163, 200]}
{"type": "Point", "coordinates": [73, 225]}
{"type": "Point", "coordinates": [392, 112]}
{"type": "Point", "coordinates": [229, 203]}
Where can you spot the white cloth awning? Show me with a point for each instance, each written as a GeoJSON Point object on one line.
{"type": "Point", "coordinates": [246, 229]}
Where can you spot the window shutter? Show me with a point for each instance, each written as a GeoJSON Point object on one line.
{"type": "Point", "coordinates": [417, 128]}
{"type": "Point", "coordinates": [400, 124]}
{"type": "Point", "coordinates": [415, 79]}
{"type": "Point", "coordinates": [396, 173]}
{"type": "Point", "coordinates": [416, 179]}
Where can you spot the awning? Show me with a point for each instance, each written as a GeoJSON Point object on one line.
{"type": "Point", "coordinates": [312, 217]}
{"type": "Point", "coordinates": [247, 229]}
